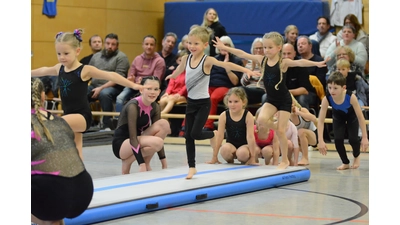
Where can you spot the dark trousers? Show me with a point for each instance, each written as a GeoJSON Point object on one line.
{"type": "Point", "coordinates": [197, 111]}
{"type": "Point", "coordinates": [339, 130]}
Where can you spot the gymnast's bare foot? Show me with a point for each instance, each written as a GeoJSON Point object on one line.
{"type": "Point", "coordinates": [283, 165]}
{"type": "Point", "coordinates": [192, 172]}
{"type": "Point", "coordinates": [303, 162]}
{"type": "Point", "coordinates": [343, 167]}
{"type": "Point", "coordinates": [356, 163]}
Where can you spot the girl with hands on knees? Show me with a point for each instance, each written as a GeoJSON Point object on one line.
{"type": "Point", "coordinates": [279, 99]}
{"type": "Point", "coordinates": [73, 79]}
{"type": "Point", "coordinates": [238, 123]}
{"type": "Point", "coordinates": [306, 129]}
{"type": "Point", "coordinates": [140, 131]}
{"type": "Point", "coordinates": [346, 113]}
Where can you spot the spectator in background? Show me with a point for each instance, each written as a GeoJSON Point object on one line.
{"type": "Point", "coordinates": [211, 20]}
{"type": "Point", "coordinates": [323, 36]}
{"type": "Point", "coordinates": [95, 43]}
{"type": "Point", "coordinates": [168, 45]}
{"type": "Point", "coordinates": [359, 34]}
{"type": "Point", "coordinates": [304, 47]}
{"type": "Point", "coordinates": [221, 79]}
{"type": "Point", "coordinates": [149, 63]}
{"type": "Point", "coordinates": [297, 79]}
{"type": "Point", "coordinates": [291, 35]}
{"type": "Point", "coordinates": [108, 59]}
{"type": "Point", "coordinates": [252, 85]}
{"type": "Point", "coordinates": [349, 39]}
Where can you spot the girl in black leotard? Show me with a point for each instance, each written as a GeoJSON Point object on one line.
{"type": "Point", "coordinates": [273, 68]}
{"type": "Point", "coordinates": [239, 126]}
{"type": "Point", "coordinates": [60, 185]}
{"type": "Point", "coordinates": [140, 131]}
{"type": "Point", "coordinates": [73, 82]}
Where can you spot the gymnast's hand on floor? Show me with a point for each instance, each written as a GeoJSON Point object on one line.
{"type": "Point", "coordinates": [214, 160]}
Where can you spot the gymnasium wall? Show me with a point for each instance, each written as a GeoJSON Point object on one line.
{"type": "Point", "coordinates": [131, 20]}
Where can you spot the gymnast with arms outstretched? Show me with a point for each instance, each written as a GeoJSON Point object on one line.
{"type": "Point", "coordinates": [73, 79]}
{"type": "Point", "coordinates": [198, 66]}
{"type": "Point", "coordinates": [279, 99]}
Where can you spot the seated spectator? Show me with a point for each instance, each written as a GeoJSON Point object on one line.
{"type": "Point", "coordinates": [359, 34]}
{"type": "Point", "coordinates": [291, 35]}
{"type": "Point", "coordinates": [323, 36]}
{"type": "Point", "coordinates": [108, 59]}
{"type": "Point", "coordinates": [222, 80]}
{"type": "Point", "coordinates": [149, 63]}
{"type": "Point", "coordinates": [361, 55]}
{"type": "Point", "coordinates": [168, 45]}
{"type": "Point", "coordinates": [95, 43]}
{"type": "Point", "coordinates": [354, 82]}
{"type": "Point", "coordinates": [345, 52]}
{"type": "Point", "coordinates": [253, 86]}
{"type": "Point", "coordinates": [176, 90]}
{"type": "Point", "coordinates": [304, 47]}
{"type": "Point", "coordinates": [182, 46]}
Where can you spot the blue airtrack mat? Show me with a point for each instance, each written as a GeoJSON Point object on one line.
{"type": "Point", "coordinates": [127, 195]}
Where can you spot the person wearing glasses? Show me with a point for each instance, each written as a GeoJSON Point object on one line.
{"type": "Point", "coordinates": [345, 52]}
{"type": "Point", "coordinates": [349, 39]}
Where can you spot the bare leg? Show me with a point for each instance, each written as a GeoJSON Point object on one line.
{"type": "Point", "coordinates": [306, 137]}
{"type": "Point", "coordinates": [267, 153]}
{"type": "Point", "coordinates": [227, 152]}
{"type": "Point", "coordinates": [127, 163]}
{"type": "Point", "coordinates": [78, 124]}
{"type": "Point", "coordinates": [168, 107]}
{"type": "Point", "coordinates": [281, 132]}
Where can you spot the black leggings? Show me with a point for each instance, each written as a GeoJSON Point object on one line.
{"type": "Point", "coordinates": [197, 111]}
{"type": "Point", "coordinates": [339, 127]}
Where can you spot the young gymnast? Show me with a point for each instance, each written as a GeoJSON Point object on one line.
{"type": "Point", "coordinates": [345, 112]}
{"type": "Point", "coordinates": [73, 78]}
{"type": "Point", "coordinates": [306, 129]}
{"type": "Point", "coordinates": [238, 123]}
{"type": "Point", "coordinates": [267, 148]}
{"type": "Point", "coordinates": [279, 99]}
{"type": "Point", "coordinates": [198, 66]}
{"type": "Point", "coordinates": [60, 185]}
{"type": "Point", "coordinates": [140, 131]}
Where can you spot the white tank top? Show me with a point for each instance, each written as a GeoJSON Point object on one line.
{"type": "Point", "coordinates": [305, 124]}
{"type": "Point", "coordinates": [197, 81]}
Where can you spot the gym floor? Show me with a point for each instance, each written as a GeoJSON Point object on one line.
{"type": "Point", "coordinates": [328, 197]}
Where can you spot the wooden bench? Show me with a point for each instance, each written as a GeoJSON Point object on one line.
{"type": "Point", "coordinates": [178, 140]}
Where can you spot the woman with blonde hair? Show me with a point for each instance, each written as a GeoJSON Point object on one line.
{"type": "Point", "coordinates": [211, 20]}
